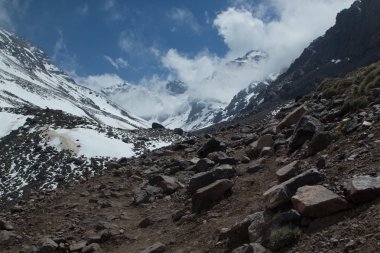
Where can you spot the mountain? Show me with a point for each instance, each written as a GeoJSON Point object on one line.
{"type": "Point", "coordinates": [54, 132]}
{"type": "Point", "coordinates": [28, 78]}
{"type": "Point", "coordinates": [353, 41]}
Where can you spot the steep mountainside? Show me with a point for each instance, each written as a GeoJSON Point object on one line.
{"type": "Point", "coordinates": [308, 180]}
{"type": "Point", "coordinates": [352, 42]}
{"type": "Point", "coordinates": [28, 78]}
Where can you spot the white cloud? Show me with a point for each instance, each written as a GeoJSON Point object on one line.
{"type": "Point", "coordinates": [62, 56]}
{"type": "Point", "coordinates": [118, 63]}
{"type": "Point", "coordinates": [184, 17]}
{"type": "Point", "coordinates": [83, 10]}
{"type": "Point", "coordinates": [114, 11]}
{"type": "Point", "coordinates": [98, 82]}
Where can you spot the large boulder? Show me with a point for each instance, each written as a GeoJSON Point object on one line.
{"type": "Point", "coordinates": [282, 193]}
{"type": "Point", "coordinates": [292, 118]}
{"type": "Point", "coordinates": [47, 245]}
{"type": "Point", "coordinates": [156, 125]}
{"type": "Point", "coordinates": [212, 145]}
{"type": "Point", "coordinates": [168, 184]}
{"type": "Point", "coordinates": [317, 201]}
{"type": "Point", "coordinates": [363, 188]}
{"type": "Point", "coordinates": [319, 142]}
{"type": "Point", "coordinates": [203, 179]}
{"type": "Point", "coordinates": [305, 131]}
{"type": "Point", "coordinates": [206, 196]}
{"type": "Point", "coordinates": [255, 148]}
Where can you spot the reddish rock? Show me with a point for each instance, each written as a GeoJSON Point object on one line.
{"type": "Point", "coordinates": [363, 188]}
{"type": "Point", "coordinates": [288, 171]}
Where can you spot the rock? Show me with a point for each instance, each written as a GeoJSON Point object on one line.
{"type": "Point", "coordinates": [212, 145]}
{"type": "Point", "coordinates": [282, 193]}
{"type": "Point", "coordinates": [322, 162]}
{"type": "Point", "coordinates": [363, 188]}
{"type": "Point", "coordinates": [4, 225]}
{"type": "Point", "coordinates": [256, 147]}
{"type": "Point", "coordinates": [168, 184]}
{"type": "Point", "coordinates": [305, 130]}
{"type": "Point", "coordinates": [255, 229]}
{"type": "Point", "coordinates": [319, 142]}
{"type": "Point", "coordinates": [317, 201]}
{"type": "Point", "coordinates": [203, 165]}
{"type": "Point", "coordinates": [266, 151]}
{"type": "Point", "coordinates": [255, 165]}
{"type": "Point", "coordinates": [204, 197]}
{"type": "Point", "coordinates": [205, 178]}
{"type": "Point", "coordinates": [156, 125]}
{"type": "Point", "coordinates": [155, 248]}
{"type": "Point", "coordinates": [222, 158]}
{"type": "Point", "coordinates": [250, 248]}
{"type": "Point", "coordinates": [178, 131]}
{"type": "Point", "coordinates": [238, 233]}
{"type": "Point", "coordinates": [140, 197]}
{"type": "Point", "coordinates": [78, 246]}
{"type": "Point", "coordinates": [47, 245]}
{"type": "Point", "coordinates": [92, 248]}
{"type": "Point", "coordinates": [7, 237]}
{"type": "Point", "coordinates": [288, 171]}
{"type": "Point", "coordinates": [292, 118]}
{"type": "Point", "coordinates": [146, 222]}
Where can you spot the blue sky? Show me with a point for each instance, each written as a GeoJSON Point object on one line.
{"type": "Point", "coordinates": [101, 43]}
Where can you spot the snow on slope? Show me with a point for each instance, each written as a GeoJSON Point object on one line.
{"type": "Point", "coordinates": [10, 121]}
{"type": "Point", "coordinates": [27, 78]}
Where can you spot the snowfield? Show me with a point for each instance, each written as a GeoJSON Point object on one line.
{"type": "Point", "coordinates": [10, 122]}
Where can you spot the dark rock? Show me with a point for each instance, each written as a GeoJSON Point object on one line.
{"type": "Point", "coordinates": [203, 165]}
{"type": "Point", "coordinates": [77, 246]}
{"type": "Point", "coordinates": [156, 125]}
{"type": "Point", "coordinates": [47, 245]}
{"type": "Point", "coordinates": [255, 166]}
{"type": "Point", "coordinates": [256, 147]}
{"type": "Point", "coordinates": [168, 184]}
{"type": "Point", "coordinates": [282, 193]}
{"type": "Point", "coordinates": [222, 158]}
{"type": "Point", "coordinates": [4, 225]}
{"type": "Point", "coordinates": [256, 227]}
{"type": "Point", "coordinates": [363, 188]}
{"type": "Point", "coordinates": [178, 131]}
{"type": "Point", "coordinates": [155, 248]}
{"type": "Point", "coordinates": [204, 197]}
{"type": "Point", "coordinates": [146, 222]}
{"type": "Point", "coordinates": [292, 118]}
{"type": "Point", "coordinates": [288, 171]}
{"type": "Point", "coordinates": [212, 145]}
{"type": "Point", "coordinates": [305, 130]}
{"type": "Point", "coordinates": [92, 248]}
{"type": "Point", "coordinates": [7, 237]}
{"type": "Point", "coordinates": [205, 178]}
{"type": "Point", "coordinates": [319, 142]}
{"type": "Point", "coordinates": [317, 201]}
{"type": "Point", "coordinates": [322, 162]}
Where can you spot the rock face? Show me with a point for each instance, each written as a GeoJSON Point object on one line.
{"type": "Point", "coordinates": [346, 46]}
{"type": "Point", "coordinates": [204, 197]}
{"type": "Point", "coordinates": [363, 188]}
{"type": "Point", "coordinates": [282, 193]}
{"type": "Point", "coordinates": [317, 201]}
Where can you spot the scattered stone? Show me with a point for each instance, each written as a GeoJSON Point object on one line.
{"type": "Point", "coordinates": [322, 162]}
{"type": "Point", "coordinates": [203, 165]}
{"type": "Point", "coordinates": [256, 227]}
{"type": "Point", "coordinates": [282, 193]}
{"type": "Point", "coordinates": [205, 178]}
{"type": "Point", "coordinates": [4, 225]}
{"type": "Point", "coordinates": [155, 248]}
{"type": "Point", "coordinates": [256, 147]}
{"type": "Point", "coordinates": [92, 248]}
{"type": "Point", "coordinates": [47, 245]}
{"type": "Point", "coordinates": [250, 248]}
{"type": "Point", "coordinates": [317, 201]}
{"type": "Point", "coordinates": [288, 171]}
{"type": "Point", "coordinates": [178, 131]}
{"type": "Point", "coordinates": [7, 237]}
{"type": "Point", "coordinates": [204, 197]}
{"type": "Point", "coordinates": [168, 184]}
{"type": "Point", "coordinates": [210, 146]}
{"type": "Point", "coordinates": [255, 166]}
{"type": "Point", "coordinates": [292, 118]}
{"type": "Point", "coordinates": [222, 158]}
{"type": "Point", "coordinates": [305, 130]}
{"type": "Point", "coordinates": [78, 246]}
{"type": "Point", "coordinates": [363, 188]}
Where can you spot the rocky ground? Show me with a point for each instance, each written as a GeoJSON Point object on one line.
{"type": "Point", "coordinates": [306, 181]}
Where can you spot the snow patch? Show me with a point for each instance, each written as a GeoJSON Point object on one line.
{"type": "Point", "coordinates": [10, 122]}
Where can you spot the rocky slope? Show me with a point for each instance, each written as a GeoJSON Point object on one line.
{"type": "Point", "coordinates": [354, 41]}
{"type": "Point", "coordinates": [307, 180]}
